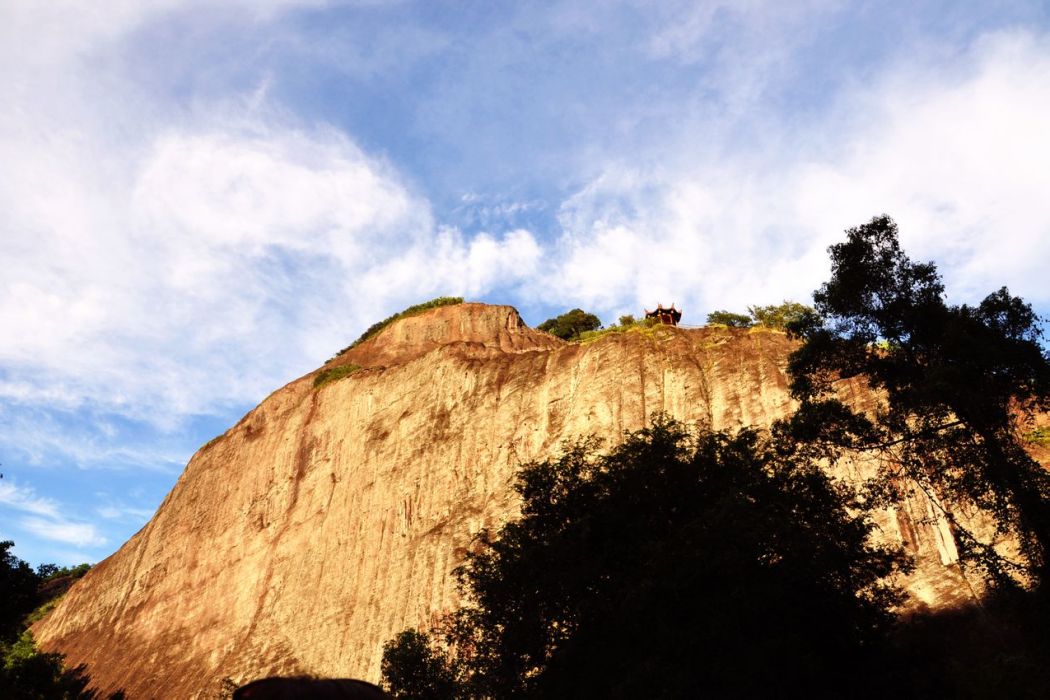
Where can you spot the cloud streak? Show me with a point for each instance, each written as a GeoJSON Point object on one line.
{"type": "Point", "coordinates": [957, 159]}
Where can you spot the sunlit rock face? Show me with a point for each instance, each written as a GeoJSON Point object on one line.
{"type": "Point", "coordinates": [330, 518]}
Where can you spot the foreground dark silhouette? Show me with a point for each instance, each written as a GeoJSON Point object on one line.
{"type": "Point", "coordinates": [306, 688]}
{"type": "Point", "coordinates": [962, 384]}
{"type": "Point", "coordinates": [27, 673]}
{"type": "Point", "coordinates": [709, 564]}
{"type": "Point", "coordinates": [679, 564]}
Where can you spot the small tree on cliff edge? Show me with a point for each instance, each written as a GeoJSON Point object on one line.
{"type": "Point", "coordinates": [677, 564]}
{"type": "Point", "coordinates": [570, 324]}
{"type": "Point", "coordinates": [960, 383]}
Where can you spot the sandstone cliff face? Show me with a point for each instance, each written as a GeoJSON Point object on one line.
{"type": "Point", "coordinates": [328, 519]}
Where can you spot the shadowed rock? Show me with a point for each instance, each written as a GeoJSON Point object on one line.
{"type": "Point", "coordinates": [305, 688]}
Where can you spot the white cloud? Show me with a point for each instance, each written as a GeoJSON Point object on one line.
{"type": "Point", "coordinates": [79, 534]}
{"type": "Point", "coordinates": [24, 499]}
{"type": "Point", "coordinates": [45, 518]}
{"type": "Point", "coordinates": [956, 155]}
{"type": "Point", "coordinates": [146, 292]}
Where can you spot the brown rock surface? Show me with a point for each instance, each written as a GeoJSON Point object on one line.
{"type": "Point", "coordinates": [328, 519]}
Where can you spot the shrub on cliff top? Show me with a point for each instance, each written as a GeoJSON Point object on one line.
{"type": "Point", "coordinates": [728, 318]}
{"type": "Point", "coordinates": [571, 324]}
{"type": "Point", "coordinates": [410, 311]}
{"type": "Point", "coordinates": [334, 373]}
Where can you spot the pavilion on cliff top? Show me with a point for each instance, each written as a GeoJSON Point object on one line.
{"type": "Point", "coordinates": [668, 317]}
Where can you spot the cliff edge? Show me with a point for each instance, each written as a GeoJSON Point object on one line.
{"type": "Point", "coordinates": [330, 517]}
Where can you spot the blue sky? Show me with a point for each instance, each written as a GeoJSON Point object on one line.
{"type": "Point", "coordinates": [201, 201]}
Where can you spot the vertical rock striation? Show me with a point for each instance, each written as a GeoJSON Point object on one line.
{"type": "Point", "coordinates": [330, 517]}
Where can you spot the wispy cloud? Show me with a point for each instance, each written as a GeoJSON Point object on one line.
{"type": "Point", "coordinates": [45, 518]}
{"type": "Point", "coordinates": [957, 156]}
{"type": "Point", "coordinates": [24, 499]}
{"type": "Point", "coordinates": [79, 534]}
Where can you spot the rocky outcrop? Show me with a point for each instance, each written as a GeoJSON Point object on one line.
{"type": "Point", "coordinates": [330, 518]}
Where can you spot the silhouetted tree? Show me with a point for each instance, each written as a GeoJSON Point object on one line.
{"type": "Point", "coordinates": [960, 383]}
{"type": "Point", "coordinates": [18, 592]}
{"type": "Point", "coordinates": [676, 565]}
{"type": "Point", "coordinates": [570, 324]}
{"type": "Point", "coordinates": [25, 672]}
{"type": "Point", "coordinates": [412, 668]}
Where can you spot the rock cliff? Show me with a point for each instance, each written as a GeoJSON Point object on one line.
{"type": "Point", "coordinates": [330, 517]}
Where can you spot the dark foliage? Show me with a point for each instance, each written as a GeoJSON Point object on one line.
{"type": "Point", "coordinates": [677, 565]}
{"type": "Point", "coordinates": [997, 648]}
{"type": "Point", "coordinates": [18, 592]}
{"type": "Point", "coordinates": [412, 668]}
{"type": "Point", "coordinates": [571, 324]}
{"type": "Point", "coordinates": [728, 318]}
{"type": "Point", "coordinates": [48, 572]}
{"type": "Point", "coordinates": [25, 672]}
{"type": "Point", "coordinates": [29, 674]}
{"type": "Point", "coordinates": [961, 384]}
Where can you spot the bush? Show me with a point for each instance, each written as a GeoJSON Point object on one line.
{"type": "Point", "coordinates": [779, 315]}
{"type": "Point", "coordinates": [571, 324]}
{"type": "Point", "coordinates": [25, 672]}
{"type": "Point", "coordinates": [334, 373]}
{"type": "Point", "coordinates": [410, 311]}
{"type": "Point", "coordinates": [18, 592]}
{"type": "Point", "coordinates": [728, 318]}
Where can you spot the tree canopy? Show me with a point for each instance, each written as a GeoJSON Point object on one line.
{"type": "Point", "coordinates": [18, 592]}
{"type": "Point", "coordinates": [571, 324]}
{"type": "Point", "coordinates": [678, 563]}
{"type": "Point", "coordinates": [728, 318]}
{"type": "Point", "coordinates": [961, 385]}
{"type": "Point", "coordinates": [778, 315]}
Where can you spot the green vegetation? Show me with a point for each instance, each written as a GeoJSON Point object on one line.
{"type": "Point", "coordinates": [677, 561]}
{"type": "Point", "coordinates": [728, 318]}
{"type": "Point", "coordinates": [646, 326]}
{"type": "Point", "coordinates": [49, 572]}
{"type": "Point", "coordinates": [25, 672]}
{"type": "Point", "coordinates": [42, 611]}
{"type": "Point", "coordinates": [778, 316]}
{"type": "Point", "coordinates": [774, 316]}
{"type": "Point", "coordinates": [334, 373]}
{"type": "Point", "coordinates": [1039, 436]}
{"type": "Point", "coordinates": [571, 324]}
{"type": "Point", "coordinates": [410, 311]}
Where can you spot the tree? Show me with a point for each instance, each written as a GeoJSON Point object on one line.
{"type": "Point", "coordinates": [571, 324]}
{"type": "Point", "coordinates": [961, 383]}
{"type": "Point", "coordinates": [414, 669]}
{"type": "Point", "coordinates": [778, 315]}
{"type": "Point", "coordinates": [18, 592]}
{"type": "Point", "coordinates": [677, 564]}
{"type": "Point", "coordinates": [728, 318]}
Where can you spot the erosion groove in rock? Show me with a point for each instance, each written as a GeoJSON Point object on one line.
{"type": "Point", "coordinates": [330, 518]}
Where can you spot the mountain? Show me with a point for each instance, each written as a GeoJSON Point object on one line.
{"type": "Point", "coordinates": [330, 517]}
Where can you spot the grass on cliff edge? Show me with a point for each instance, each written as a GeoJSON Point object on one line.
{"type": "Point", "coordinates": [1039, 436]}
{"type": "Point", "coordinates": [335, 373]}
{"type": "Point", "coordinates": [410, 311]}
